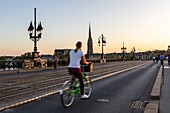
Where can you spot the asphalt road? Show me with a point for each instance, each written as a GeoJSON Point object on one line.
{"type": "Point", "coordinates": [114, 94]}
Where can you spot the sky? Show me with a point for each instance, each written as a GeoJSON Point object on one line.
{"type": "Point", "coordinates": [143, 24]}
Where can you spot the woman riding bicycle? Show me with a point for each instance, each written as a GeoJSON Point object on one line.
{"type": "Point", "coordinates": [77, 56]}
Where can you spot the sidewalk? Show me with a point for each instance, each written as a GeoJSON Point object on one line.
{"type": "Point", "coordinates": [165, 91]}
{"type": "Point", "coordinates": [22, 70]}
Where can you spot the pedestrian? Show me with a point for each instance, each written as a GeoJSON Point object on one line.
{"type": "Point", "coordinates": [169, 59]}
{"type": "Point", "coordinates": [6, 65]}
{"type": "Point", "coordinates": [9, 65]}
{"type": "Point", "coordinates": [56, 60]}
{"type": "Point", "coordinates": [156, 58]}
{"type": "Point", "coordinates": [13, 65]}
{"type": "Point", "coordinates": [153, 58]}
{"type": "Point", "coordinates": [161, 57]}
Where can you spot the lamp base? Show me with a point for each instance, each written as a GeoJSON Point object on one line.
{"type": "Point", "coordinates": [103, 60]}
{"type": "Point", "coordinates": [35, 55]}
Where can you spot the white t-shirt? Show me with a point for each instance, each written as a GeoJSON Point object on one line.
{"type": "Point", "coordinates": [75, 58]}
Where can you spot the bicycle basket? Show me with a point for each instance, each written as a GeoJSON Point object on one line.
{"type": "Point", "coordinates": [87, 68]}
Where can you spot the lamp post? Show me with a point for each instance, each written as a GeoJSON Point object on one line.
{"type": "Point", "coordinates": [102, 40]}
{"type": "Point", "coordinates": [35, 37]}
{"type": "Point", "coordinates": [133, 53]}
{"type": "Point", "coordinates": [168, 50]}
{"type": "Point", "coordinates": [123, 51]}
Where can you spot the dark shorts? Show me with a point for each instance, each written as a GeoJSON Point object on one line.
{"type": "Point", "coordinates": [75, 71]}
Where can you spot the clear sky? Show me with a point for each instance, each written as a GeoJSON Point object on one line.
{"type": "Point", "coordinates": [144, 24]}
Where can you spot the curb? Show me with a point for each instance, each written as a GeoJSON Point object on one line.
{"type": "Point", "coordinates": [156, 91]}
{"type": "Point", "coordinates": [153, 106]}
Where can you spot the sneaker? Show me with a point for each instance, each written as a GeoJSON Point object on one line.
{"type": "Point", "coordinates": [84, 96]}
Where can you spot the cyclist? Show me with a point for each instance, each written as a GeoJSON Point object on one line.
{"type": "Point", "coordinates": [77, 56]}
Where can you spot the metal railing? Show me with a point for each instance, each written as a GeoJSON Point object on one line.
{"type": "Point", "coordinates": [20, 64]}
{"type": "Point", "coordinates": [10, 65]}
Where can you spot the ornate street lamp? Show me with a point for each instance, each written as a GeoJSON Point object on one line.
{"type": "Point", "coordinates": [123, 51]}
{"type": "Point", "coordinates": [102, 40]}
{"type": "Point", "coordinates": [133, 53]}
{"type": "Point", "coordinates": [36, 37]}
{"type": "Point", "coordinates": [168, 49]}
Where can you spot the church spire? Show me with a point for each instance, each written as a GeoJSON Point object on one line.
{"type": "Point", "coordinates": [90, 43]}
{"type": "Point", "coordinates": [89, 31]}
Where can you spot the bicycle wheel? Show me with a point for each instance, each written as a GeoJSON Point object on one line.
{"type": "Point", "coordinates": [66, 96]}
{"type": "Point", "coordinates": [87, 86]}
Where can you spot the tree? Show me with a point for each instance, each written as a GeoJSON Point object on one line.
{"type": "Point", "coordinates": [26, 56]}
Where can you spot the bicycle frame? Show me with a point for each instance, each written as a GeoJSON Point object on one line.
{"type": "Point", "coordinates": [71, 88]}
{"type": "Point", "coordinates": [76, 89]}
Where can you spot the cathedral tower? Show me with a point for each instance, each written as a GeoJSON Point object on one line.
{"type": "Point", "coordinates": [89, 43]}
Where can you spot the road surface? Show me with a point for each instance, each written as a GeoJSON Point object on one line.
{"type": "Point", "coordinates": [126, 92]}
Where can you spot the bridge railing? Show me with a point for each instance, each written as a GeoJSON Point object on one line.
{"type": "Point", "coordinates": [19, 64]}
{"type": "Point", "coordinates": [10, 65]}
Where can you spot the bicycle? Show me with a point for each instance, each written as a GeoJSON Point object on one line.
{"type": "Point", "coordinates": [71, 88]}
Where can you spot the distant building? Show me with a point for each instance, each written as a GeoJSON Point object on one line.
{"type": "Point", "coordinates": [60, 52]}
{"type": "Point", "coordinates": [158, 52]}
{"type": "Point", "coordinates": [90, 43]}
{"type": "Point", "coordinates": [47, 56]}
